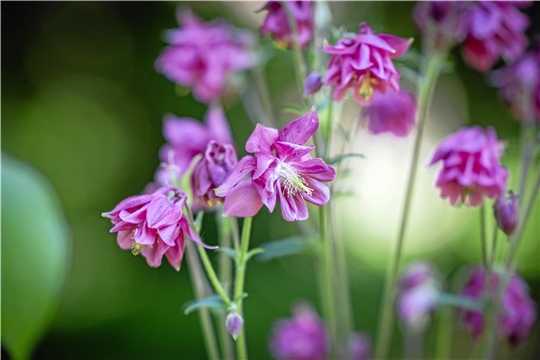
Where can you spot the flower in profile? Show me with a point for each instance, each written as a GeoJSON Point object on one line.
{"type": "Point", "coordinates": [281, 170]}
{"type": "Point", "coordinates": [234, 323]}
{"type": "Point", "coordinates": [210, 172]}
{"type": "Point", "coordinates": [301, 337]}
{"type": "Point", "coordinates": [276, 22]}
{"type": "Point", "coordinates": [392, 112]}
{"type": "Point", "coordinates": [360, 346]}
{"type": "Point", "coordinates": [492, 30]}
{"type": "Point", "coordinates": [313, 83]}
{"type": "Point", "coordinates": [518, 310]}
{"type": "Point", "coordinates": [187, 138]}
{"type": "Point", "coordinates": [363, 63]}
{"type": "Point", "coordinates": [471, 166]}
{"type": "Point", "coordinates": [506, 212]}
{"type": "Point", "coordinates": [153, 225]}
{"type": "Point", "coordinates": [438, 21]}
{"type": "Point", "coordinates": [202, 56]}
{"type": "Point", "coordinates": [519, 85]}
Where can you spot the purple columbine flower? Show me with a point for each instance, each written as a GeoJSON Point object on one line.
{"type": "Point", "coordinates": [301, 337]}
{"type": "Point", "coordinates": [313, 83]}
{"type": "Point", "coordinates": [281, 170]}
{"type": "Point", "coordinates": [210, 172]}
{"type": "Point", "coordinates": [519, 85]}
{"type": "Point", "coordinates": [364, 64]}
{"type": "Point", "coordinates": [393, 112]}
{"type": "Point", "coordinates": [506, 212]}
{"type": "Point", "coordinates": [471, 166]}
{"type": "Point", "coordinates": [234, 323]}
{"type": "Point", "coordinates": [201, 56]}
{"type": "Point", "coordinates": [519, 311]}
{"type": "Point", "coordinates": [187, 138]}
{"type": "Point", "coordinates": [438, 21]}
{"type": "Point", "coordinates": [276, 23]}
{"type": "Point", "coordinates": [154, 225]}
{"type": "Point", "coordinates": [492, 30]}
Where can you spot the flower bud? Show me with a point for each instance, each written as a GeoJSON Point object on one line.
{"type": "Point", "coordinates": [234, 324]}
{"type": "Point", "coordinates": [506, 212]}
{"type": "Point", "coordinates": [313, 83]}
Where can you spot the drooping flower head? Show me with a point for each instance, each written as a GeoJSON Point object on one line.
{"type": "Point", "coordinates": [276, 23]}
{"type": "Point", "coordinates": [392, 112]}
{"type": "Point", "coordinates": [438, 21]}
{"type": "Point", "coordinates": [519, 311]}
{"type": "Point", "coordinates": [154, 225]}
{"type": "Point", "coordinates": [301, 337]}
{"type": "Point", "coordinates": [281, 170]}
{"type": "Point", "coordinates": [202, 56]}
{"type": "Point", "coordinates": [492, 30]}
{"type": "Point", "coordinates": [363, 63]}
{"type": "Point", "coordinates": [519, 85]}
{"type": "Point", "coordinates": [471, 166]}
{"type": "Point", "coordinates": [506, 212]}
{"type": "Point", "coordinates": [187, 138]}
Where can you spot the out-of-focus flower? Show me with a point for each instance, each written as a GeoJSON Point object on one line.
{"type": "Point", "coordinates": [438, 21]}
{"type": "Point", "coordinates": [301, 337]}
{"type": "Point", "coordinates": [519, 85]}
{"type": "Point", "coordinates": [313, 83]}
{"type": "Point", "coordinates": [519, 311]}
{"type": "Point", "coordinates": [392, 112]}
{"type": "Point", "coordinates": [154, 225]}
{"type": "Point", "coordinates": [492, 30]}
{"type": "Point", "coordinates": [364, 64]}
{"type": "Point", "coordinates": [419, 289]}
{"type": "Point", "coordinates": [187, 138]}
{"type": "Point", "coordinates": [234, 323]}
{"type": "Point", "coordinates": [281, 170]}
{"type": "Point", "coordinates": [276, 23]}
{"type": "Point", "coordinates": [506, 212]}
{"type": "Point", "coordinates": [202, 55]}
{"type": "Point", "coordinates": [210, 172]}
{"type": "Point", "coordinates": [471, 166]}
{"type": "Point", "coordinates": [360, 346]}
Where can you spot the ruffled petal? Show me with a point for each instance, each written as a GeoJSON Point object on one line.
{"type": "Point", "coordinates": [262, 139]}
{"type": "Point", "coordinates": [300, 130]}
{"type": "Point", "coordinates": [243, 200]}
{"type": "Point", "coordinates": [246, 165]}
{"type": "Point", "coordinates": [320, 192]}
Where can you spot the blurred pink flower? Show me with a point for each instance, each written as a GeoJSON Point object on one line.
{"type": "Point", "coordinates": [471, 166]}
{"type": "Point", "coordinates": [154, 225]}
{"type": "Point", "coordinates": [276, 22]}
{"type": "Point", "coordinates": [393, 112]}
{"type": "Point", "coordinates": [202, 55]}
{"type": "Point", "coordinates": [364, 64]}
{"type": "Point", "coordinates": [506, 212]}
{"type": "Point", "coordinates": [281, 169]}
{"type": "Point", "coordinates": [438, 21]}
{"type": "Point", "coordinates": [519, 311]}
{"type": "Point", "coordinates": [360, 346]}
{"type": "Point", "coordinates": [313, 83]}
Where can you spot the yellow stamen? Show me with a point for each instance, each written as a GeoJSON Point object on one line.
{"type": "Point", "coordinates": [366, 88]}
{"type": "Point", "coordinates": [136, 248]}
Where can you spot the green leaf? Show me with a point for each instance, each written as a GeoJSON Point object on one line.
{"type": "Point", "coordinates": [228, 251]}
{"type": "Point", "coordinates": [294, 109]}
{"type": "Point", "coordinates": [254, 252]}
{"type": "Point", "coordinates": [337, 159]}
{"type": "Point", "coordinates": [240, 297]}
{"type": "Point", "coordinates": [212, 302]}
{"type": "Point", "coordinates": [35, 250]}
{"type": "Point", "coordinates": [286, 247]}
{"type": "Point", "coordinates": [459, 302]}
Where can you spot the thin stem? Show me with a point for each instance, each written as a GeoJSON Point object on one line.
{"type": "Point", "coordinates": [483, 237]}
{"type": "Point", "coordinates": [494, 246]}
{"type": "Point", "coordinates": [386, 324]}
{"type": "Point", "coordinates": [445, 326]}
{"type": "Point", "coordinates": [241, 349]}
{"type": "Point", "coordinates": [261, 84]}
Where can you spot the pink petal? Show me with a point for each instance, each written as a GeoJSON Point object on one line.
{"type": "Point", "coordinates": [145, 235]}
{"type": "Point", "coordinates": [400, 45]}
{"type": "Point", "coordinates": [176, 253]}
{"type": "Point", "coordinates": [316, 169]}
{"type": "Point", "coordinates": [262, 139]}
{"type": "Point", "coordinates": [218, 126]}
{"type": "Point", "coordinates": [246, 165]}
{"type": "Point", "coordinates": [320, 192]}
{"type": "Point", "coordinates": [169, 233]}
{"type": "Point", "coordinates": [300, 130]}
{"type": "Point", "coordinates": [184, 225]}
{"type": "Point", "coordinates": [155, 253]}
{"type": "Point", "coordinates": [243, 200]}
{"type": "Point", "coordinates": [161, 212]}
{"type": "Point", "coordinates": [125, 239]}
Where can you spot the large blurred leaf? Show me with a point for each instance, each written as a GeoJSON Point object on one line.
{"type": "Point", "coordinates": [35, 248]}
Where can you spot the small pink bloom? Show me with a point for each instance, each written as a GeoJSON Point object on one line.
{"type": "Point", "coordinates": [281, 170]}
{"type": "Point", "coordinates": [276, 22]}
{"type": "Point", "coordinates": [471, 166]}
{"type": "Point", "coordinates": [393, 112]}
{"type": "Point", "coordinates": [506, 212]}
{"type": "Point", "coordinates": [364, 64]}
{"type": "Point", "coordinates": [301, 337]}
{"type": "Point", "coordinates": [519, 311]}
{"type": "Point", "coordinates": [313, 83]}
{"type": "Point", "coordinates": [154, 225]}
{"type": "Point", "coordinates": [202, 55]}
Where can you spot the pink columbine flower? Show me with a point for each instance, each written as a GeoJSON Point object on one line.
{"type": "Point", "coordinates": [301, 337]}
{"type": "Point", "coordinates": [281, 170]}
{"type": "Point", "coordinates": [438, 21]}
{"type": "Point", "coordinates": [506, 212]}
{"type": "Point", "coordinates": [471, 166]}
{"type": "Point", "coordinates": [210, 172]}
{"type": "Point", "coordinates": [154, 225]}
{"type": "Point", "coordinates": [519, 311]}
{"type": "Point", "coordinates": [276, 23]}
{"type": "Point", "coordinates": [364, 64]}
{"type": "Point", "coordinates": [393, 112]}
{"type": "Point", "coordinates": [492, 30]}
{"type": "Point", "coordinates": [203, 55]}
{"type": "Point", "coordinates": [519, 85]}
{"type": "Point", "coordinates": [187, 138]}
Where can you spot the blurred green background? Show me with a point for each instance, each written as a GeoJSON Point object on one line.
{"type": "Point", "coordinates": [82, 104]}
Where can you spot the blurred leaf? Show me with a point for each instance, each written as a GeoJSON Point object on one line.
{"type": "Point", "coordinates": [240, 297]}
{"type": "Point", "coordinates": [36, 244]}
{"type": "Point", "coordinates": [212, 302]}
{"type": "Point", "coordinates": [227, 251]}
{"type": "Point", "coordinates": [289, 246]}
{"type": "Point", "coordinates": [337, 159]}
{"type": "Point", "coordinates": [181, 91]}
{"type": "Point", "coordinates": [294, 109]}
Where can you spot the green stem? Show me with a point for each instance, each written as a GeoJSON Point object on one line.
{"type": "Point", "coordinates": [239, 285]}
{"type": "Point", "coordinates": [445, 327]}
{"type": "Point", "coordinates": [386, 324]}
{"type": "Point", "coordinates": [483, 237]}
{"type": "Point", "coordinates": [494, 246]}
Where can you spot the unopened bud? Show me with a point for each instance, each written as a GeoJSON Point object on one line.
{"type": "Point", "coordinates": [234, 324]}
{"type": "Point", "coordinates": [506, 212]}
{"type": "Point", "coordinates": [313, 83]}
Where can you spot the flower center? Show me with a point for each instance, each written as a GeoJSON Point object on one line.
{"type": "Point", "coordinates": [136, 248]}
{"type": "Point", "coordinates": [292, 182]}
{"type": "Point", "coordinates": [366, 88]}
